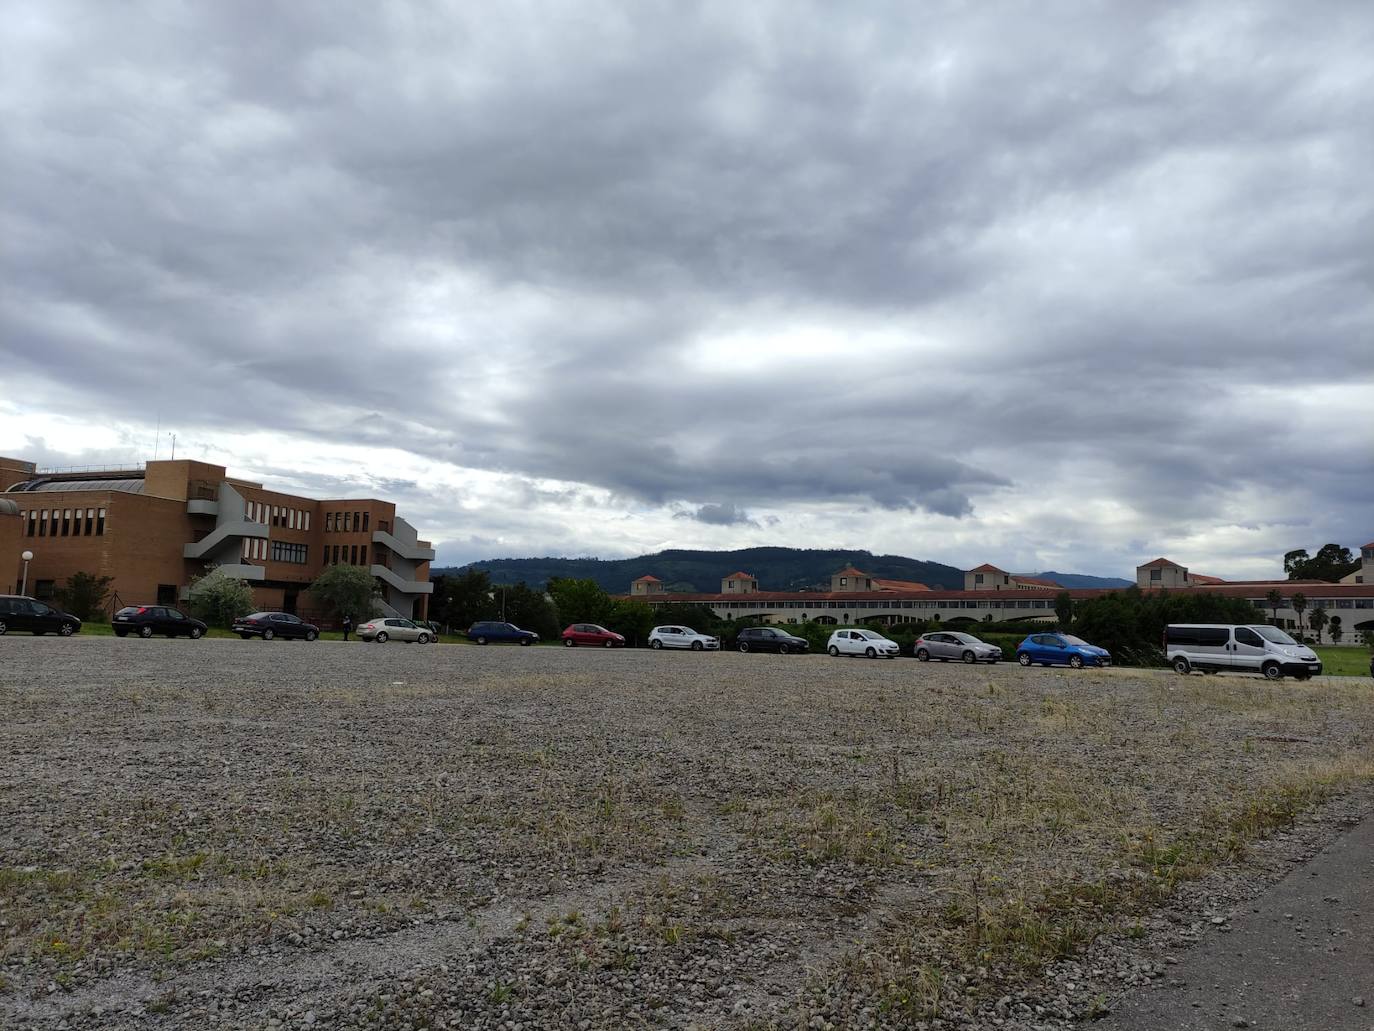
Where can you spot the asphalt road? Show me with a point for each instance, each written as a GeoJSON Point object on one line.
{"type": "Point", "coordinates": [1300, 958]}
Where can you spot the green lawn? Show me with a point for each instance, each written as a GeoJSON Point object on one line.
{"type": "Point", "coordinates": [1343, 662]}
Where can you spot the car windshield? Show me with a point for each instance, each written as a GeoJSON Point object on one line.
{"type": "Point", "coordinates": [1076, 641]}
{"type": "Point", "coordinates": [1273, 634]}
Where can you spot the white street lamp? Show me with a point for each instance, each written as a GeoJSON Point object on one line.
{"type": "Point", "coordinates": [27, 556]}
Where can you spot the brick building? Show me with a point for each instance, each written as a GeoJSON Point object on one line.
{"type": "Point", "coordinates": [154, 527]}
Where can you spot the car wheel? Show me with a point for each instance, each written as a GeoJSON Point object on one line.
{"type": "Point", "coordinates": [872, 653]}
{"type": "Point", "coordinates": [783, 649]}
{"type": "Point", "coordinates": [145, 632]}
{"type": "Point", "coordinates": [1272, 671]}
{"type": "Point", "coordinates": [968, 658]}
{"type": "Point", "coordinates": [743, 646]}
{"type": "Point", "coordinates": [923, 654]}
{"type": "Point", "coordinates": [834, 652]}
{"type": "Point", "coordinates": [1076, 661]}
{"type": "Point", "coordinates": [568, 642]}
{"type": "Point", "coordinates": [610, 644]}
{"type": "Point", "coordinates": [524, 642]}
{"type": "Point", "coordinates": [697, 646]}
{"type": "Point", "coordinates": [195, 633]}
{"type": "Point", "coordinates": [424, 639]}
{"type": "Point", "coordinates": [267, 635]}
{"type": "Point", "coordinates": [381, 637]}
{"type": "Point", "coordinates": [481, 640]}
{"type": "Point", "coordinates": [3, 628]}
{"type": "Point", "coordinates": [310, 635]}
{"type": "Point", "coordinates": [67, 629]}
{"type": "Point", "coordinates": [1023, 658]}
{"type": "Point", "coordinates": [1183, 666]}
{"type": "Point", "coordinates": [655, 645]}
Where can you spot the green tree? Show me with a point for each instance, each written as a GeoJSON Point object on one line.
{"type": "Point", "coordinates": [1298, 603]}
{"type": "Point", "coordinates": [1275, 600]}
{"type": "Point", "coordinates": [346, 590]}
{"type": "Point", "coordinates": [84, 594]}
{"type": "Point", "coordinates": [631, 619]}
{"type": "Point", "coordinates": [580, 601]}
{"type": "Point", "coordinates": [219, 598]}
{"type": "Point", "coordinates": [1337, 631]}
{"type": "Point", "coordinates": [463, 599]}
{"type": "Point", "coordinates": [1317, 621]}
{"type": "Point", "coordinates": [1331, 563]}
{"type": "Point", "coordinates": [1063, 609]}
{"type": "Point", "coordinates": [529, 609]}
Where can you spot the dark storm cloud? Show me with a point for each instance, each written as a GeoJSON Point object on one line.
{"type": "Point", "coordinates": [719, 515]}
{"type": "Point", "coordinates": [1043, 242]}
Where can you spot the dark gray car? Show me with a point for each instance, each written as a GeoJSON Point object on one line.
{"type": "Point", "coordinates": [951, 644]}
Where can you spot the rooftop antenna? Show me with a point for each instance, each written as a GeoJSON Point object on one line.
{"type": "Point", "coordinates": [174, 446]}
{"type": "Point", "coordinates": [157, 435]}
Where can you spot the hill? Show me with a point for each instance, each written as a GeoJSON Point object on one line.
{"type": "Point", "coordinates": [1084, 580]}
{"type": "Point", "coordinates": [777, 569]}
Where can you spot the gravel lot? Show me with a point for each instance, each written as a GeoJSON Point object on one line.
{"type": "Point", "coordinates": [242, 834]}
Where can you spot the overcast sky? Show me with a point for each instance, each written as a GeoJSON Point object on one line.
{"type": "Point", "coordinates": [1053, 285]}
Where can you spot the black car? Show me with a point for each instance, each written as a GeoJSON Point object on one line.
{"type": "Point", "coordinates": [18, 612]}
{"type": "Point", "coordinates": [147, 620]}
{"type": "Point", "coordinates": [268, 625]}
{"type": "Point", "coordinates": [770, 639]}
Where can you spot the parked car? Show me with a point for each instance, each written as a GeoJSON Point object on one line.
{"type": "Point", "coordinates": [1061, 650]}
{"type": "Point", "coordinates": [433, 627]}
{"type": "Point", "coordinates": [1244, 648]}
{"type": "Point", "coordinates": [592, 634]}
{"type": "Point", "coordinates": [948, 644]}
{"type": "Point", "coordinates": [268, 625]}
{"type": "Point", "coordinates": [770, 639]}
{"type": "Point", "coordinates": [392, 628]}
{"type": "Point", "coordinates": [147, 620]}
{"type": "Point", "coordinates": [20, 612]}
{"type": "Point", "coordinates": [682, 637]}
{"type": "Point", "coordinates": [495, 633]}
{"type": "Point", "coordinates": [862, 642]}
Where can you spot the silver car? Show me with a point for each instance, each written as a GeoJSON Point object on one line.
{"type": "Point", "coordinates": [391, 629]}
{"type": "Point", "coordinates": [949, 644]}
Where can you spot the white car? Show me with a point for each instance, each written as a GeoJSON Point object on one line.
{"type": "Point", "coordinates": [862, 642]}
{"type": "Point", "coordinates": [383, 630]}
{"type": "Point", "coordinates": [682, 637]}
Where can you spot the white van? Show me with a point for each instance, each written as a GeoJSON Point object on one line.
{"type": "Point", "coordinates": [1256, 648]}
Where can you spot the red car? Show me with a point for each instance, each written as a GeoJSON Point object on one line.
{"type": "Point", "coordinates": [591, 634]}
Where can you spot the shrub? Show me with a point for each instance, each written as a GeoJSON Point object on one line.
{"type": "Point", "coordinates": [347, 591]}
{"type": "Point", "coordinates": [84, 594]}
{"type": "Point", "coordinates": [219, 598]}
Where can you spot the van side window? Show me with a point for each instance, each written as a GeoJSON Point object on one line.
{"type": "Point", "coordinates": [1213, 636]}
{"type": "Point", "coordinates": [1244, 635]}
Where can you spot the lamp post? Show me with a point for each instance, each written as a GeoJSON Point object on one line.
{"type": "Point", "coordinates": [27, 556]}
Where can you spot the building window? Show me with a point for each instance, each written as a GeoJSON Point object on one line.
{"type": "Point", "coordinates": [362, 552]}
{"type": "Point", "coordinates": [33, 523]}
{"type": "Point", "coordinates": [353, 560]}
{"type": "Point", "coordinates": [1156, 574]}
{"type": "Point", "coordinates": [329, 522]}
{"type": "Point", "coordinates": [290, 518]}
{"type": "Point", "coordinates": [307, 519]}
{"type": "Point", "coordinates": [366, 518]}
{"type": "Point", "coordinates": [166, 594]}
{"type": "Point", "coordinates": [66, 522]}
{"type": "Point", "coordinates": [977, 578]}
{"type": "Point", "coordinates": [284, 552]}
{"type": "Point", "coordinates": [357, 520]}
{"type": "Point", "coordinates": [90, 521]}
{"type": "Point", "coordinates": [43, 524]}
{"type": "Point", "coordinates": [844, 581]}
{"type": "Point", "coordinates": [1343, 603]}
{"type": "Point", "coordinates": [44, 590]}
{"type": "Point", "coordinates": [348, 522]}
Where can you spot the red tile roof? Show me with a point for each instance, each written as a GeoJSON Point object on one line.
{"type": "Point", "coordinates": [1036, 580]}
{"type": "Point", "coordinates": [1199, 578]}
{"type": "Point", "coordinates": [986, 568]}
{"type": "Point", "coordinates": [740, 576]}
{"type": "Point", "coordinates": [899, 585]}
{"type": "Point", "coordinates": [648, 577]}
{"type": "Point", "coordinates": [1160, 562]}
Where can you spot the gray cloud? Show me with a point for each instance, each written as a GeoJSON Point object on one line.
{"type": "Point", "coordinates": [1126, 256]}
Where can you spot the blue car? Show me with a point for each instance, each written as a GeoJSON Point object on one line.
{"type": "Point", "coordinates": [496, 633]}
{"type": "Point", "coordinates": [1061, 650]}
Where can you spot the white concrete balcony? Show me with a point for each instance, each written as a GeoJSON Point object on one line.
{"type": "Point", "coordinates": [393, 580]}
{"type": "Point", "coordinates": [413, 552]}
{"type": "Point", "coordinates": [222, 533]}
{"type": "Point", "coordinates": [202, 506]}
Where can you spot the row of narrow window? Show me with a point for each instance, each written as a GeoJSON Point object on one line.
{"type": "Point", "coordinates": [277, 515]}
{"type": "Point", "coordinates": [64, 522]}
{"type": "Point", "coordinates": [346, 522]}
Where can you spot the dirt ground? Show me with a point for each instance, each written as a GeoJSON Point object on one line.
{"type": "Point", "coordinates": [248, 834]}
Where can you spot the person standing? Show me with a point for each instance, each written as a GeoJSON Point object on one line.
{"type": "Point", "coordinates": [347, 625]}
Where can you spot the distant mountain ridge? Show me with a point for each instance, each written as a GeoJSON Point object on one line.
{"type": "Point", "coordinates": [1084, 580]}
{"type": "Point", "coordinates": [682, 570]}
{"type": "Point", "coordinates": [777, 569]}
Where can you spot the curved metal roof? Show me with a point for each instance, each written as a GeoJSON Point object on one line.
{"type": "Point", "coordinates": [129, 485]}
